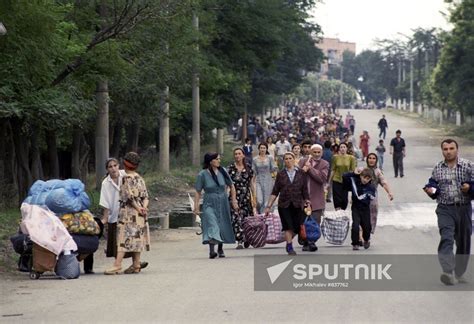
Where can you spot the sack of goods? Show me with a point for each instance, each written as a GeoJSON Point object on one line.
{"type": "Point", "coordinates": [86, 244]}
{"type": "Point", "coordinates": [67, 266]}
{"type": "Point", "coordinates": [255, 231]}
{"type": "Point", "coordinates": [60, 196]}
{"type": "Point", "coordinates": [335, 226]}
{"type": "Point", "coordinates": [274, 229]}
{"type": "Point", "coordinates": [312, 229]}
{"type": "Point", "coordinates": [81, 223]}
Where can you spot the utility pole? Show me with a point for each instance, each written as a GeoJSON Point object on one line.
{"type": "Point", "coordinates": [412, 108]}
{"type": "Point", "coordinates": [317, 87]}
{"type": "Point", "coordinates": [196, 134]}
{"type": "Point", "coordinates": [164, 155]}
{"type": "Point", "coordinates": [341, 90]}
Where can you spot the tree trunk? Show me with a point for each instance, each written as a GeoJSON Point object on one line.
{"type": "Point", "coordinates": [196, 135]}
{"type": "Point", "coordinates": [132, 136]}
{"type": "Point", "coordinates": [8, 175]}
{"type": "Point", "coordinates": [24, 178]}
{"type": "Point", "coordinates": [76, 153]}
{"type": "Point", "coordinates": [52, 154]}
{"type": "Point", "coordinates": [101, 131]}
{"type": "Point", "coordinates": [116, 140]}
{"type": "Point", "coordinates": [244, 124]}
{"type": "Point", "coordinates": [164, 154]}
{"type": "Point", "coordinates": [220, 141]}
{"type": "Point", "coordinates": [36, 166]}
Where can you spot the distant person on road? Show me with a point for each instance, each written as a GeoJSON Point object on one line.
{"type": "Point", "coordinates": [248, 150]}
{"type": "Point", "coordinates": [398, 151]}
{"type": "Point", "coordinates": [296, 149]}
{"type": "Point", "coordinates": [364, 144]}
{"type": "Point", "coordinates": [216, 218]}
{"type": "Point", "coordinates": [453, 187]}
{"type": "Point", "coordinates": [382, 125]}
{"type": "Point", "coordinates": [377, 179]}
{"type": "Point", "coordinates": [317, 171]}
{"type": "Point", "coordinates": [281, 148]}
{"type": "Point", "coordinates": [271, 147]}
{"type": "Point", "coordinates": [380, 149]}
{"type": "Point", "coordinates": [341, 163]}
{"type": "Point", "coordinates": [291, 187]}
{"type": "Point", "coordinates": [242, 176]}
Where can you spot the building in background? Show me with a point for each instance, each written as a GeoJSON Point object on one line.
{"type": "Point", "coordinates": [333, 49]}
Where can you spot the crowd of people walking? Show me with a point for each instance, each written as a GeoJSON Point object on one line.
{"type": "Point", "coordinates": [302, 160]}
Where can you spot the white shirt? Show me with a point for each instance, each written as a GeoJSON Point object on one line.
{"type": "Point", "coordinates": [110, 196]}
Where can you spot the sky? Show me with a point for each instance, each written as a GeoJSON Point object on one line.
{"type": "Point", "coordinates": [361, 21]}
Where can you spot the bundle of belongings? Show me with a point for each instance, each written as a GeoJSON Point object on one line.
{"type": "Point", "coordinates": [57, 230]}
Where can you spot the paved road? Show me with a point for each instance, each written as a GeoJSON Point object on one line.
{"type": "Point", "coordinates": [182, 285]}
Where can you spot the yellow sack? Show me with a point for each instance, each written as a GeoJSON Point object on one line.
{"type": "Point", "coordinates": [81, 223]}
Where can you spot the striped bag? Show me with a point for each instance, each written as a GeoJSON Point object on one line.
{"type": "Point", "coordinates": [255, 231]}
{"type": "Point", "coordinates": [274, 229]}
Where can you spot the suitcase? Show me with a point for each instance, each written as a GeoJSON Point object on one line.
{"type": "Point", "coordinates": [255, 231]}
{"type": "Point", "coordinates": [43, 260]}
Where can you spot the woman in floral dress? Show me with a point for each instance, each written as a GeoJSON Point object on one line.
{"type": "Point", "coordinates": [133, 233]}
{"type": "Point", "coordinates": [242, 175]}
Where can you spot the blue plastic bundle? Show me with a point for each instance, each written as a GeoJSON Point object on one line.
{"type": "Point", "coordinates": [60, 196]}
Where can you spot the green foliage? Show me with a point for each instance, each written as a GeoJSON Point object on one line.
{"type": "Point", "coordinates": [329, 90]}
{"type": "Point", "coordinates": [453, 78]}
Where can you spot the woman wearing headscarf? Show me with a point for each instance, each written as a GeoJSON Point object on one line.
{"type": "Point", "coordinates": [291, 187]}
{"type": "Point", "coordinates": [243, 178]}
{"type": "Point", "coordinates": [133, 233]}
{"type": "Point", "coordinates": [216, 217]}
{"type": "Point", "coordinates": [377, 179]}
{"type": "Point", "coordinates": [110, 203]}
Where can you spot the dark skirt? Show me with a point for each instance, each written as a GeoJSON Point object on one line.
{"type": "Point", "coordinates": [339, 195]}
{"type": "Point", "coordinates": [111, 250]}
{"type": "Point", "coordinates": [291, 218]}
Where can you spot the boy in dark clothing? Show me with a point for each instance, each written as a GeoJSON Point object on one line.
{"type": "Point", "coordinates": [362, 193]}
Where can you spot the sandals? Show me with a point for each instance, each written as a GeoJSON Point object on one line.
{"type": "Point", "coordinates": [132, 269]}
{"type": "Point", "coordinates": [113, 271]}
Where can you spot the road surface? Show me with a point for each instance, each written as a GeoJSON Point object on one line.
{"type": "Point", "coordinates": [183, 285]}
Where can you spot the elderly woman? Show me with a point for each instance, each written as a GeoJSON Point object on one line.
{"type": "Point", "coordinates": [216, 218]}
{"type": "Point", "coordinates": [243, 178]}
{"type": "Point", "coordinates": [291, 187]}
{"type": "Point", "coordinates": [133, 234]}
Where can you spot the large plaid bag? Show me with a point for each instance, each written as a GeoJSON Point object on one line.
{"type": "Point", "coordinates": [255, 231]}
{"type": "Point", "coordinates": [275, 234]}
{"type": "Point", "coordinates": [335, 226]}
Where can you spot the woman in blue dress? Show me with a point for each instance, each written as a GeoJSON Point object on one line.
{"type": "Point", "coordinates": [215, 219]}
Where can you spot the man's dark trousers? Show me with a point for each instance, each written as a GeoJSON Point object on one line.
{"type": "Point", "coordinates": [398, 163]}
{"type": "Point", "coordinates": [455, 225]}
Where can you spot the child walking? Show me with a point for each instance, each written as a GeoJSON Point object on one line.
{"type": "Point", "coordinates": [380, 149]}
{"type": "Point", "coordinates": [362, 193]}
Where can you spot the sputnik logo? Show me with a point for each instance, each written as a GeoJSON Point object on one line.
{"type": "Point", "coordinates": [274, 272]}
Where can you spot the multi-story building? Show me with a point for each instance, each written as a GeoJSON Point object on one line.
{"type": "Point", "coordinates": [333, 49]}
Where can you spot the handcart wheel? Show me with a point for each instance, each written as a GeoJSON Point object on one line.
{"type": "Point", "coordinates": [34, 275]}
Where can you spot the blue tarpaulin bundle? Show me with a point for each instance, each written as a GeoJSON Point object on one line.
{"type": "Point", "coordinates": [60, 196]}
